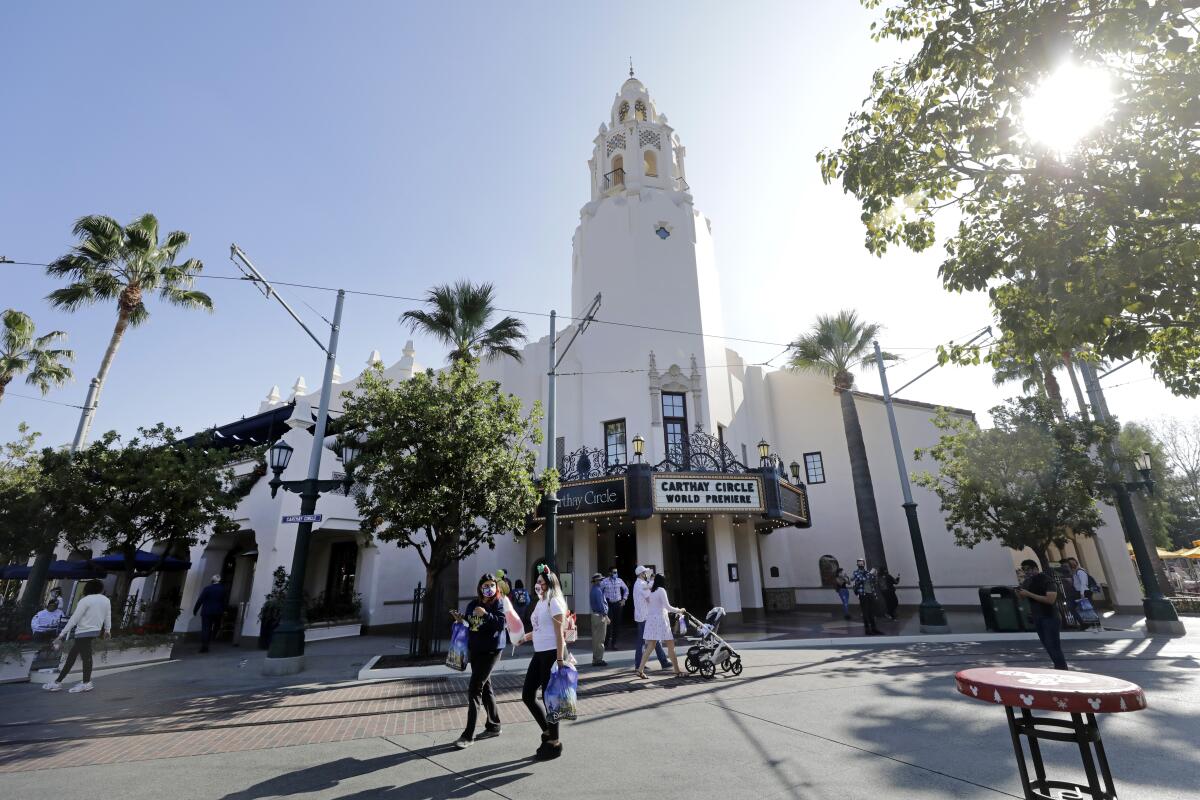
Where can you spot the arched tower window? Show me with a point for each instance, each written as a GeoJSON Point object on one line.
{"type": "Point", "coordinates": [623, 113]}
{"type": "Point", "coordinates": [650, 164]}
{"type": "Point", "coordinates": [616, 176]}
{"type": "Point", "coordinates": [639, 111]}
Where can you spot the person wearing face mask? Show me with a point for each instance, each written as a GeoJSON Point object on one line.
{"type": "Point", "coordinates": [615, 594]}
{"type": "Point", "coordinates": [549, 649]}
{"type": "Point", "coordinates": [485, 620]}
{"type": "Point", "coordinates": [641, 601]}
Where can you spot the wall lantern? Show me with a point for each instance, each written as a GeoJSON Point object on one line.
{"type": "Point", "coordinates": [764, 449]}
{"type": "Point", "coordinates": [639, 446]}
{"type": "Point", "coordinates": [795, 468]}
{"type": "Point", "coordinates": [1142, 463]}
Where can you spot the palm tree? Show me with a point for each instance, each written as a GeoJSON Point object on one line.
{"type": "Point", "coordinates": [112, 262]}
{"type": "Point", "coordinates": [458, 315]}
{"type": "Point", "coordinates": [1034, 374]}
{"type": "Point", "coordinates": [834, 347]}
{"type": "Point", "coordinates": [22, 351]}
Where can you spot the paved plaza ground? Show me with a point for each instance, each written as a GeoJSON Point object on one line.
{"type": "Point", "coordinates": [827, 722]}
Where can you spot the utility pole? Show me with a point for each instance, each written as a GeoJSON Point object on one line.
{"type": "Point", "coordinates": [550, 501]}
{"type": "Point", "coordinates": [286, 654]}
{"type": "Point", "coordinates": [1160, 613]}
{"type": "Point", "coordinates": [932, 615]}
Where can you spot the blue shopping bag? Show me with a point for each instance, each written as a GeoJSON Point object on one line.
{"type": "Point", "coordinates": [561, 695]}
{"type": "Point", "coordinates": [457, 657]}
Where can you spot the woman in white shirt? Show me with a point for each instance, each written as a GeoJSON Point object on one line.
{"type": "Point", "coordinates": [658, 626]}
{"type": "Point", "coordinates": [91, 620]}
{"type": "Point", "coordinates": [549, 649]}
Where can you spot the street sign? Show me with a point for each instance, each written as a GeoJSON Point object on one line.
{"type": "Point", "coordinates": [303, 518]}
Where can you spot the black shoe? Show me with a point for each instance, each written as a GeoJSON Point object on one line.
{"type": "Point", "coordinates": [599, 663]}
{"type": "Point", "coordinates": [490, 730]}
{"type": "Point", "coordinates": [548, 751]}
{"type": "Point", "coordinates": [846, 617]}
{"type": "Point", "coordinates": [203, 649]}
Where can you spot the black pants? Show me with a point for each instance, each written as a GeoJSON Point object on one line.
{"type": "Point", "coordinates": [209, 625]}
{"type": "Point", "coordinates": [614, 622]}
{"type": "Point", "coordinates": [83, 649]}
{"type": "Point", "coordinates": [479, 690]}
{"type": "Point", "coordinates": [867, 603]}
{"type": "Point", "coordinates": [536, 677]}
{"type": "Point", "coordinates": [891, 602]}
{"type": "Point", "coordinates": [1048, 631]}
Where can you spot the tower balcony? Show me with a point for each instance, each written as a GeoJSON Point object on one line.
{"type": "Point", "coordinates": [614, 179]}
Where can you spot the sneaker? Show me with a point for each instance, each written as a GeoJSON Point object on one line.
{"type": "Point", "coordinates": [462, 743]}
{"type": "Point", "coordinates": [81, 687]}
{"type": "Point", "coordinates": [599, 663]}
{"type": "Point", "coordinates": [548, 751]}
{"type": "Point", "coordinates": [52, 686]}
{"type": "Point", "coordinates": [491, 729]}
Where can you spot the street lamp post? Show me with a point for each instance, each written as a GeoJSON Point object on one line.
{"type": "Point", "coordinates": [1161, 616]}
{"type": "Point", "coordinates": [287, 643]}
{"type": "Point", "coordinates": [932, 615]}
{"type": "Point", "coordinates": [286, 654]}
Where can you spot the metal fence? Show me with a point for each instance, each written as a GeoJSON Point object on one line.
{"type": "Point", "coordinates": [414, 635]}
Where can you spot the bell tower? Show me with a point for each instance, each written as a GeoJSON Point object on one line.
{"type": "Point", "coordinates": [643, 245]}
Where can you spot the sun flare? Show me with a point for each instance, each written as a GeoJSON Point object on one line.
{"type": "Point", "coordinates": [1067, 106]}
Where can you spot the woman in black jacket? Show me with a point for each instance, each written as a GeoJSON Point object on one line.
{"type": "Point", "coordinates": [485, 618]}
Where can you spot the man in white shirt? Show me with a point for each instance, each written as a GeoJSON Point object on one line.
{"type": "Point", "coordinates": [47, 621]}
{"type": "Point", "coordinates": [641, 596]}
{"type": "Point", "coordinates": [1080, 587]}
{"type": "Point", "coordinates": [615, 594]}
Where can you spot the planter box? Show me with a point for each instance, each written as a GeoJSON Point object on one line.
{"type": "Point", "coordinates": [108, 659]}
{"type": "Point", "coordinates": [334, 630]}
{"type": "Point", "coordinates": [17, 671]}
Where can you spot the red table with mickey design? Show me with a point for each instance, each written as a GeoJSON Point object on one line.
{"type": "Point", "coordinates": [1083, 695]}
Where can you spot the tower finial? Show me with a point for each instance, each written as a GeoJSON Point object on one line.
{"type": "Point", "coordinates": [631, 66]}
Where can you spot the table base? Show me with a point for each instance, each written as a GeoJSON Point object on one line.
{"type": "Point", "coordinates": [1081, 729]}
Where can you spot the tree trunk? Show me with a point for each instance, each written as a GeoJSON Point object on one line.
{"type": "Point", "coordinates": [1053, 390]}
{"type": "Point", "coordinates": [1083, 409]}
{"type": "Point", "coordinates": [106, 363]}
{"type": "Point", "coordinates": [864, 490]}
{"type": "Point", "coordinates": [1043, 557]}
{"type": "Point", "coordinates": [432, 612]}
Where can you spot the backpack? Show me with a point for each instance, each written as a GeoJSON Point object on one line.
{"type": "Point", "coordinates": [1092, 586]}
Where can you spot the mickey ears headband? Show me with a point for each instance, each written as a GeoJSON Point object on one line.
{"type": "Point", "coordinates": [544, 569]}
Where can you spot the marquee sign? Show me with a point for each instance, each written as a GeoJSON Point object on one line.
{"type": "Point", "coordinates": [793, 503]}
{"type": "Point", "coordinates": [698, 492]}
{"type": "Point", "coordinates": [590, 498]}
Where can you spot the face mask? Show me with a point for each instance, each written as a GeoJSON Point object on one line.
{"type": "Point", "coordinates": [614, 574]}
{"type": "Point", "coordinates": [489, 591]}
{"type": "Point", "coordinates": [539, 590]}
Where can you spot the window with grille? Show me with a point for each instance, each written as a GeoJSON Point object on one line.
{"type": "Point", "coordinates": [560, 452]}
{"type": "Point", "coordinates": [674, 411]}
{"type": "Point", "coordinates": [814, 468]}
{"type": "Point", "coordinates": [615, 451]}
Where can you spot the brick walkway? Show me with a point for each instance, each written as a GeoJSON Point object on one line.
{"type": "Point", "coordinates": [284, 718]}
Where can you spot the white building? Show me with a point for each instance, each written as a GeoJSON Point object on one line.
{"type": "Point", "coordinates": [642, 243]}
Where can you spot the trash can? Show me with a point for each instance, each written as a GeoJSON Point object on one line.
{"type": "Point", "coordinates": [1001, 611]}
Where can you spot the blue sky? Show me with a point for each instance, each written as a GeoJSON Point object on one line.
{"type": "Point", "coordinates": [389, 146]}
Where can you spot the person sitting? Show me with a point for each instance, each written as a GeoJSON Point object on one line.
{"type": "Point", "coordinates": [46, 622]}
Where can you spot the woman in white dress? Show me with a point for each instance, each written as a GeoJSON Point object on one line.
{"type": "Point", "coordinates": [658, 625]}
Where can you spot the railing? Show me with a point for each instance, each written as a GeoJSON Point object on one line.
{"type": "Point", "coordinates": [614, 179]}
{"type": "Point", "coordinates": [414, 635]}
{"type": "Point", "coordinates": [682, 185]}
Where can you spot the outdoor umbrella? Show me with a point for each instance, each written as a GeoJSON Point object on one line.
{"type": "Point", "coordinates": [142, 562]}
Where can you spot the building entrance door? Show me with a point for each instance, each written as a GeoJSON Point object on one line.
{"type": "Point", "coordinates": [690, 588]}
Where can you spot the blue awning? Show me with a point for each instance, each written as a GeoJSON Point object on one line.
{"type": "Point", "coordinates": [59, 570]}
{"type": "Point", "coordinates": [142, 562]}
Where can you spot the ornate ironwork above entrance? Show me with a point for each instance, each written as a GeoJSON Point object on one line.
{"type": "Point", "coordinates": [700, 452]}
{"type": "Point", "coordinates": [587, 462]}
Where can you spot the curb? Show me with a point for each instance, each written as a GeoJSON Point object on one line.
{"type": "Point", "coordinates": [625, 657]}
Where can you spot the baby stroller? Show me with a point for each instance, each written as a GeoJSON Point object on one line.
{"type": "Point", "coordinates": [709, 650]}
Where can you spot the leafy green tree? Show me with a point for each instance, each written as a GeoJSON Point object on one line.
{"type": "Point", "coordinates": [1097, 245]}
{"type": "Point", "coordinates": [447, 463]}
{"type": "Point", "coordinates": [23, 524]}
{"type": "Point", "coordinates": [1158, 508]}
{"type": "Point", "coordinates": [835, 347]}
{"type": "Point", "coordinates": [1030, 481]}
{"type": "Point", "coordinates": [458, 315]}
{"type": "Point", "coordinates": [112, 262]}
{"type": "Point", "coordinates": [22, 351]}
{"type": "Point", "coordinates": [1036, 374]}
{"type": "Point", "coordinates": [152, 489]}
